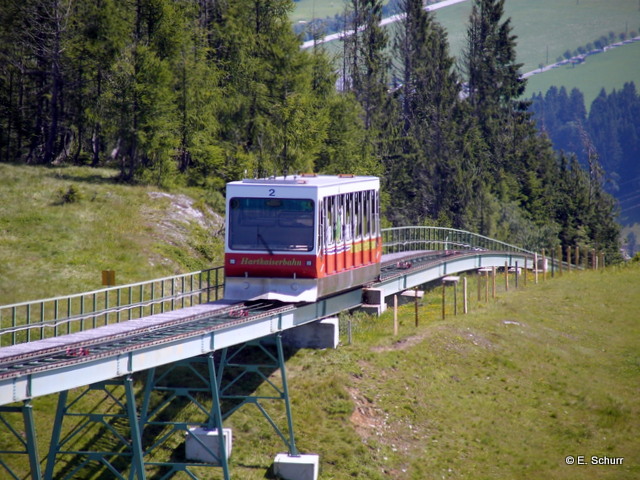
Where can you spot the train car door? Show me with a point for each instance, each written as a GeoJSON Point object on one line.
{"type": "Point", "coordinates": [329, 215]}
{"type": "Point", "coordinates": [357, 229]}
{"type": "Point", "coordinates": [366, 227]}
{"type": "Point", "coordinates": [339, 232]}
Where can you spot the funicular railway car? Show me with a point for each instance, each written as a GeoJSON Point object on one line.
{"type": "Point", "coordinates": [297, 239]}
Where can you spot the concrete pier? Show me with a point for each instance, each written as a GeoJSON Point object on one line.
{"type": "Point", "coordinates": [204, 453]}
{"type": "Point", "coordinates": [324, 333]}
{"type": "Point", "coordinates": [301, 467]}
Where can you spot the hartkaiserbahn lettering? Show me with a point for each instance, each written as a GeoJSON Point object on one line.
{"type": "Point", "coordinates": [270, 261]}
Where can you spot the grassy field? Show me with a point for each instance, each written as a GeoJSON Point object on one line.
{"type": "Point", "coordinates": [545, 29]}
{"type": "Point", "coordinates": [54, 241]}
{"type": "Point", "coordinates": [508, 391]}
{"type": "Point", "coordinates": [609, 70]}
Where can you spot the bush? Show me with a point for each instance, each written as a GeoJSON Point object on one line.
{"type": "Point", "coordinates": [72, 195]}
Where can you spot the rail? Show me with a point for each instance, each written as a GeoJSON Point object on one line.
{"type": "Point", "coordinates": [52, 317]}
{"type": "Point", "coordinates": [403, 239]}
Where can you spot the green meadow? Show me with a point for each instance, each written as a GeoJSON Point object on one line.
{"type": "Point", "coordinates": [60, 227]}
{"type": "Point", "coordinates": [543, 373]}
{"type": "Point", "coordinates": [609, 70]}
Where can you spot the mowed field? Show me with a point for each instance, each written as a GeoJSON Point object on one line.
{"type": "Point", "coordinates": [609, 70]}
{"type": "Point", "coordinates": [545, 28]}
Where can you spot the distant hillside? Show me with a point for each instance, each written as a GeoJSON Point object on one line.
{"type": "Point", "coordinates": [609, 70]}
{"type": "Point", "coordinates": [545, 28]}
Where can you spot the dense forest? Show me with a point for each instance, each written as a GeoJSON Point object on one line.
{"type": "Point", "coordinates": [610, 129]}
{"type": "Point", "coordinates": [201, 92]}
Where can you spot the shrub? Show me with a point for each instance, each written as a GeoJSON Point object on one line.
{"type": "Point", "coordinates": [72, 195]}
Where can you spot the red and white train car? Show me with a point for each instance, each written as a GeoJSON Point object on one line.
{"type": "Point", "coordinates": [297, 239]}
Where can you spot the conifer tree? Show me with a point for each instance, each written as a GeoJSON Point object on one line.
{"type": "Point", "coordinates": [431, 116]}
{"type": "Point", "coordinates": [366, 63]}
{"type": "Point", "coordinates": [493, 81]}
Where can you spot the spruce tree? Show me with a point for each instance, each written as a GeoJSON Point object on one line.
{"type": "Point", "coordinates": [428, 96]}
{"type": "Point", "coordinates": [366, 63]}
{"type": "Point", "coordinates": [493, 81]}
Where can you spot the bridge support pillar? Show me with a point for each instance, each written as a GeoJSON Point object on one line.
{"type": "Point", "coordinates": [111, 423]}
{"type": "Point", "coordinates": [299, 467]}
{"type": "Point", "coordinates": [373, 301]}
{"type": "Point", "coordinates": [29, 441]}
{"type": "Point", "coordinates": [324, 333]}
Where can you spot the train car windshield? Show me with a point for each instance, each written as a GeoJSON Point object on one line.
{"type": "Point", "coordinates": [283, 224]}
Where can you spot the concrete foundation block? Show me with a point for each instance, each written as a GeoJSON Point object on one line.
{"type": "Point", "coordinates": [321, 334]}
{"type": "Point", "coordinates": [373, 301]}
{"type": "Point", "coordinates": [405, 297]}
{"type": "Point", "coordinates": [373, 309]}
{"type": "Point", "coordinates": [302, 467]}
{"type": "Point", "coordinates": [372, 296]}
{"type": "Point", "coordinates": [206, 449]}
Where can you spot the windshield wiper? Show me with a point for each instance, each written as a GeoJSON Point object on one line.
{"type": "Point", "coordinates": [264, 242]}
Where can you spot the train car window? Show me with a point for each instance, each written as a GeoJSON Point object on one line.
{"type": "Point", "coordinates": [348, 221]}
{"type": "Point", "coordinates": [282, 224]}
{"type": "Point", "coordinates": [376, 212]}
{"type": "Point", "coordinates": [366, 217]}
{"type": "Point", "coordinates": [357, 220]}
{"type": "Point", "coordinates": [321, 225]}
{"type": "Point", "coordinates": [338, 219]}
{"type": "Point", "coordinates": [330, 220]}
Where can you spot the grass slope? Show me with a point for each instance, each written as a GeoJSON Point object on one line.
{"type": "Point", "coordinates": [51, 247]}
{"type": "Point", "coordinates": [506, 392]}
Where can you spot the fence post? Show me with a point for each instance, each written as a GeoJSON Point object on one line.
{"type": "Point", "coordinates": [560, 260]}
{"type": "Point", "coordinates": [395, 315]}
{"type": "Point", "coordinates": [506, 276]}
{"type": "Point", "coordinates": [415, 291]}
{"type": "Point", "coordinates": [464, 291]}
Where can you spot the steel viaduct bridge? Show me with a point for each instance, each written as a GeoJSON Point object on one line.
{"type": "Point", "coordinates": [184, 344]}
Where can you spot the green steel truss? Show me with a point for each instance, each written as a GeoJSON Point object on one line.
{"type": "Point", "coordinates": [107, 427]}
{"type": "Point", "coordinates": [17, 422]}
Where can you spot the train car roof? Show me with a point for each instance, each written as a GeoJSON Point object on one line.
{"type": "Point", "coordinates": [309, 180]}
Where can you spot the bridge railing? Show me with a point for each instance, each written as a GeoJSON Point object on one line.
{"type": "Point", "coordinates": [402, 239]}
{"type": "Point", "coordinates": [51, 317]}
